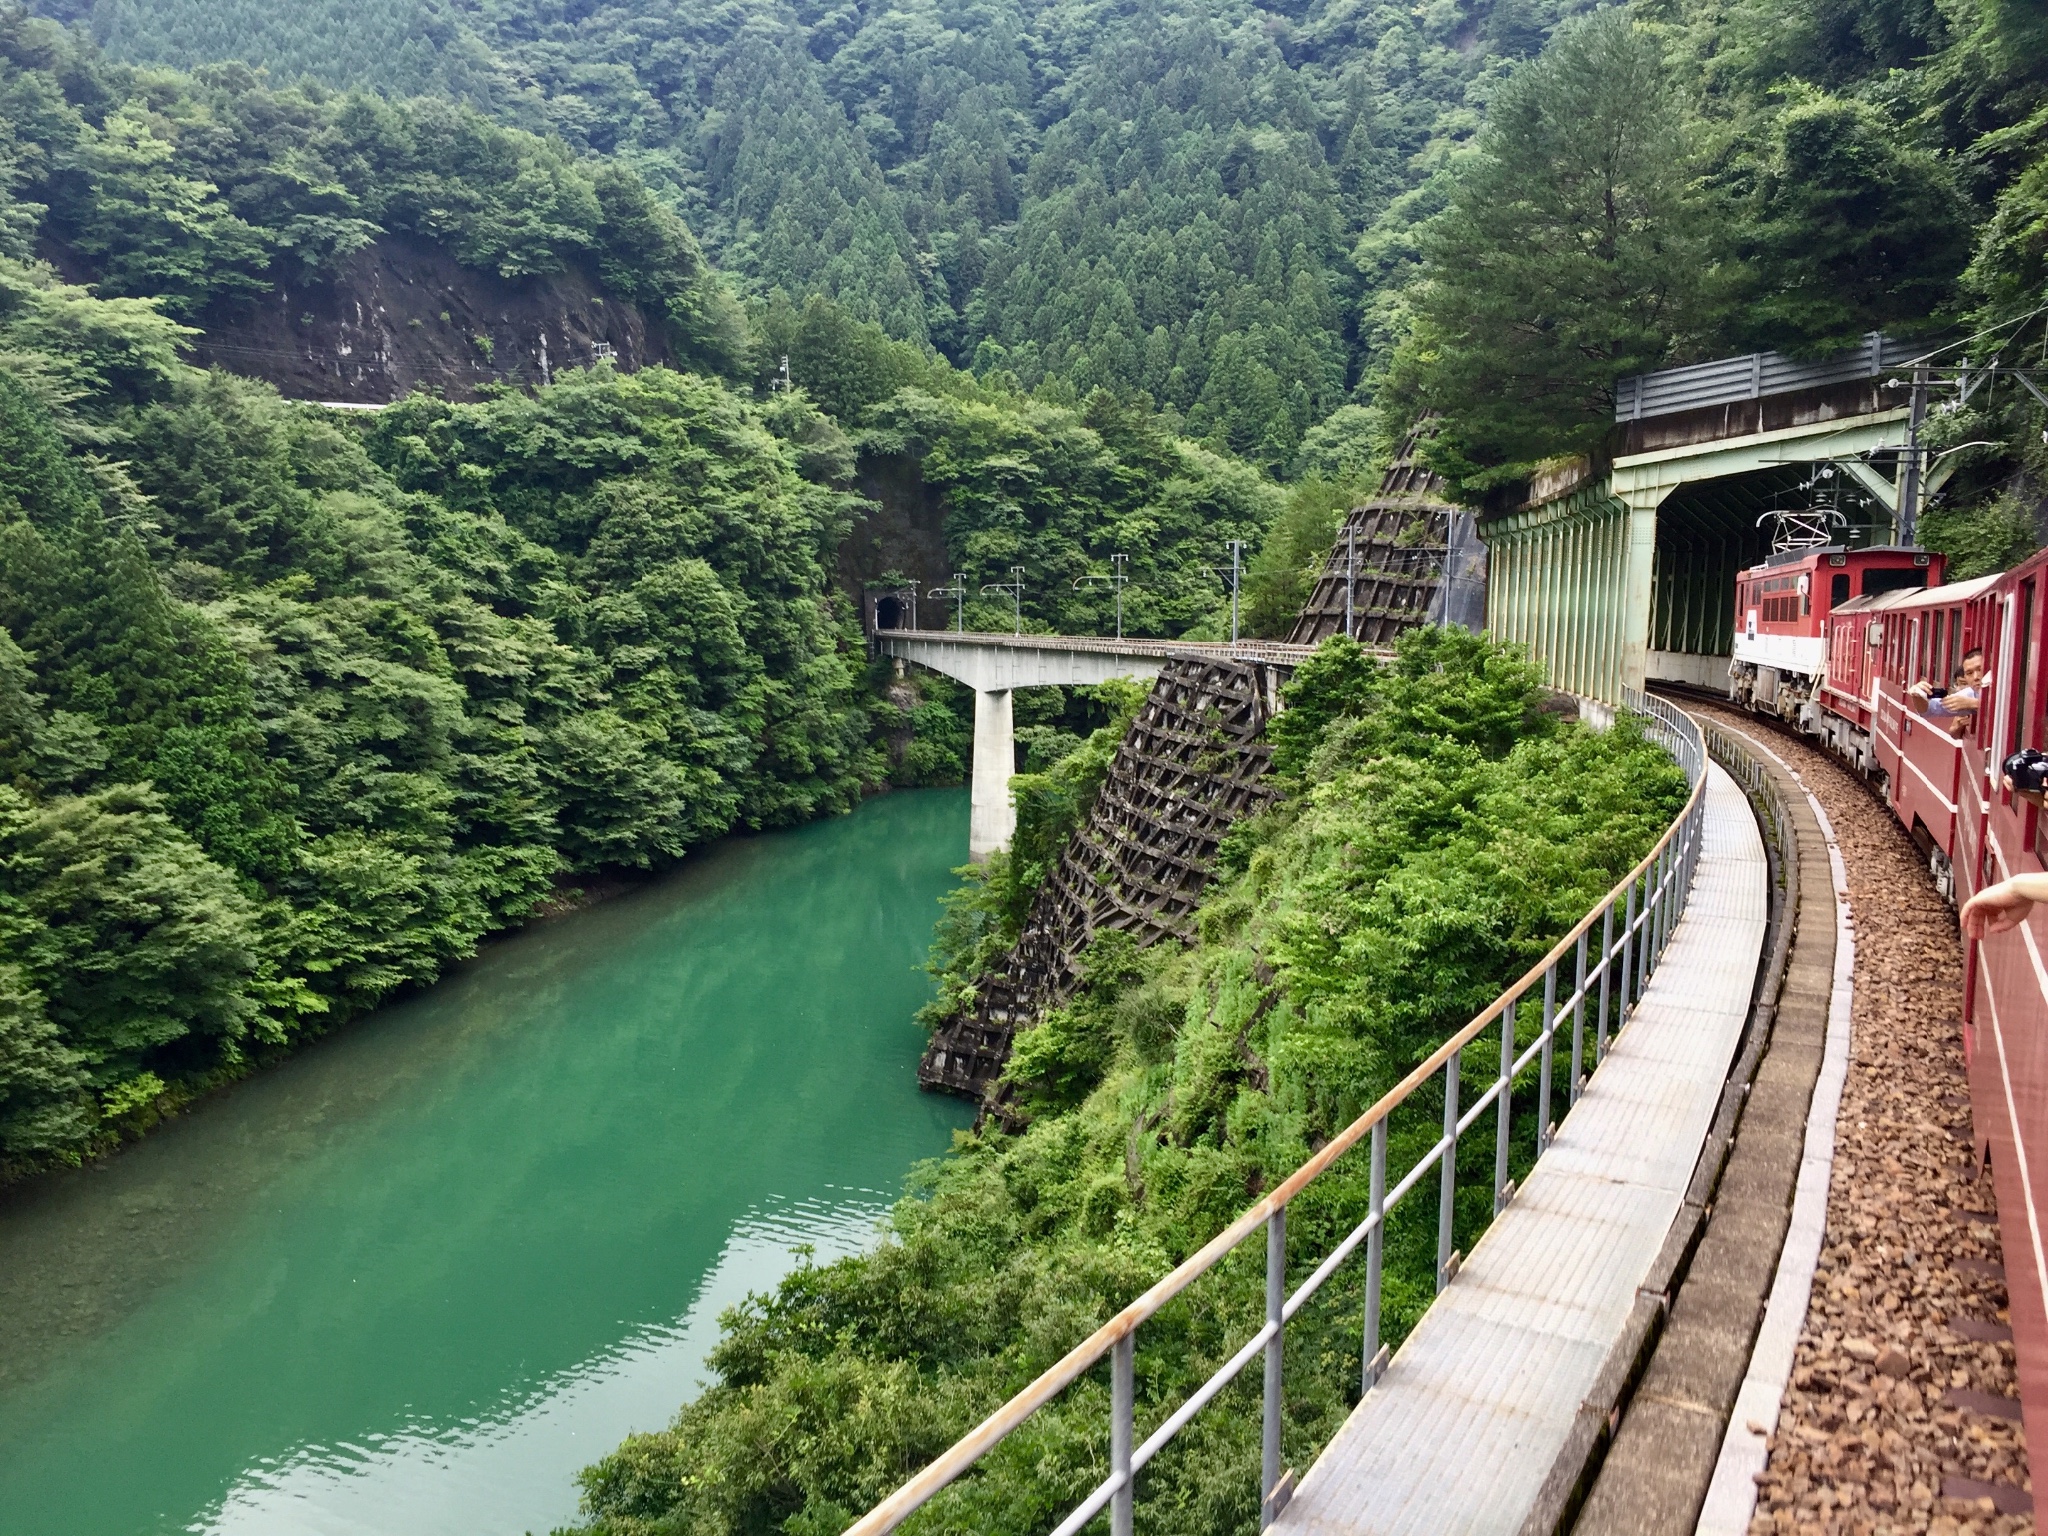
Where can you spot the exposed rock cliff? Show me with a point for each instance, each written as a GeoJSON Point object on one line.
{"type": "Point", "coordinates": [403, 315]}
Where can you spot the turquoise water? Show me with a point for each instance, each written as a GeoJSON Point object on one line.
{"type": "Point", "coordinates": [414, 1279]}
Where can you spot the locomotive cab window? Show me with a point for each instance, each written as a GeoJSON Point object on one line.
{"type": "Point", "coordinates": [1838, 588]}
{"type": "Point", "coordinates": [1876, 581]}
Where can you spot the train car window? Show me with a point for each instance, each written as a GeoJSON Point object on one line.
{"type": "Point", "coordinates": [1838, 588]}
{"type": "Point", "coordinates": [1937, 649]}
{"type": "Point", "coordinates": [1876, 581]}
{"type": "Point", "coordinates": [2023, 649]}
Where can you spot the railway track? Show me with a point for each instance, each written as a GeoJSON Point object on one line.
{"type": "Point", "coordinates": [1902, 1413]}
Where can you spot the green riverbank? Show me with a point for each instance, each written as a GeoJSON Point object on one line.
{"type": "Point", "coordinates": [414, 1279]}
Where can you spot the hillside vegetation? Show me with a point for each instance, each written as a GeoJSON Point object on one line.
{"type": "Point", "coordinates": [1161, 198]}
{"type": "Point", "coordinates": [1437, 832]}
{"type": "Point", "coordinates": [1299, 226]}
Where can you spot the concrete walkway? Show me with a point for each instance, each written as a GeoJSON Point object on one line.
{"type": "Point", "coordinates": [1461, 1432]}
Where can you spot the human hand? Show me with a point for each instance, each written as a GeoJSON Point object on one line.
{"type": "Point", "coordinates": [1995, 909]}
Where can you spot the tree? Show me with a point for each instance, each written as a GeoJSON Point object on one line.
{"type": "Point", "coordinates": [132, 936]}
{"type": "Point", "coordinates": [43, 1106]}
{"type": "Point", "coordinates": [1576, 250]}
{"type": "Point", "coordinates": [1845, 229]}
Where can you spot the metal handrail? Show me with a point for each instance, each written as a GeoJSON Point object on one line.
{"type": "Point", "coordinates": [1648, 901]}
{"type": "Point", "coordinates": [1276, 652]}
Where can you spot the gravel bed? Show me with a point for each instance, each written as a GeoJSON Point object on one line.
{"type": "Point", "coordinates": [1904, 1381]}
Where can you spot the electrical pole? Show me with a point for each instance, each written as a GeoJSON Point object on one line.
{"type": "Point", "coordinates": [1350, 578]}
{"type": "Point", "coordinates": [1236, 570]}
{"type": "Point", "coordinates": [1910, 475]}
{"type": "Point", "coordinates": [1116, 579]}
{"type": "Point", "coordinates": [958, 592]}
{"type": "Point", "coordinates": [1015, 587]}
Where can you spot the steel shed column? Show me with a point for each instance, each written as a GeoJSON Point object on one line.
{"type": "Point", "coordinates": [1639, 554]}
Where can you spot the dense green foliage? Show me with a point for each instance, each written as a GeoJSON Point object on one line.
{"type": "Point", "coordinates": [1156, 199]}
{"type": "Point", "coordinates": [1439, 831]}
{"type": "Point", "coordinates": [293, 710]}
{"type": "Point", "coordinates": [195, 188]}
{"type": "Point", "coordinates": [1293, 229]}
{"type": "Point", "coordinates": [1692, 178]}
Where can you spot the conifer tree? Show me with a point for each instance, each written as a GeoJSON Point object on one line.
{"type": "Point", "coordinates": [1575, 250]}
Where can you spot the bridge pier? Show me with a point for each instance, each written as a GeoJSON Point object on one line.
{"type": "Point", "coordinates": [992, 818]}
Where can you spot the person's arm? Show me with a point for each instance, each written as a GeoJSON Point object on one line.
{"type": "Point", "coordinates": [2004, 905]}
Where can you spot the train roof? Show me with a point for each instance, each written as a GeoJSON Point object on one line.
{"type": "Point", "coordinates": [1919, 597]}
{"type": "Point", "coordinates": [1809, 551]}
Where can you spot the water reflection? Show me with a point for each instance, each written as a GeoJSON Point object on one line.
{"type": "Point", "coordinates": [500, 1469]}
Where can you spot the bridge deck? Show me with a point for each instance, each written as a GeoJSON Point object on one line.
{"type": "Point", "coordinates": [1460, 1433]}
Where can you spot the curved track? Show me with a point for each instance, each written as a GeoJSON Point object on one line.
{"type": "Point", "coordinates": [1901, 1415]}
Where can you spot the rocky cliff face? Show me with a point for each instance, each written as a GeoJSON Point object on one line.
{"type": "Point", "coordinates": [404, 315]}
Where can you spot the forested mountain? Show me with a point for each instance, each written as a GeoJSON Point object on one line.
{"type": "Point", "coordinates": [1102, 280]}
{"type": "Point", "coordinates": [1148, 198]}
{"type": "Point", "coordinates": [1259, 216]}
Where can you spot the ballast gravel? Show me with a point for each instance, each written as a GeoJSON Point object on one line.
{"type": "Point", "coordinates": [1901, 1415]}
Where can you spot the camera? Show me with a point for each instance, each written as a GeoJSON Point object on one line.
{"type": "Point", "coordinates": [2028, 770]}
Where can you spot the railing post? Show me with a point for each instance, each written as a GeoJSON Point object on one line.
{"type": "Point", "coordinates": [1665, 911]}
{"type": "Point", "coordinates": [1606, 978]}
{"type": "Point", "coordinates": [1375, 1256]}
{"type": "Point", "coordinates": [1276, 1298]}
{"type": "Point", "coordinates": [1503, 1110]}
{"type": "Point", "coordinates": [1653, 929]}
{"type": "Point", "coordinates": [1448, 1192]}
{"type": "Point", "coordinates": [1579, 1025]}
{"type": "Point", "coordinates": [1628, 954]}
{"type": "Point", "coordinates": [1543, 1077]}
{"type": "Point", "coordinates": [1647, 959]}
{"type": "Point", "coordinates": [1122, 1407]}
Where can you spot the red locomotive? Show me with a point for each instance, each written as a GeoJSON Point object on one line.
{"type": "Point", "coordinates": [1927, 689]}
{"type": "Point", "coordinates": [1783, 612]}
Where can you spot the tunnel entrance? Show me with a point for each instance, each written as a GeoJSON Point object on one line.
{"type": "Point", "coordinates": [1708, 530]}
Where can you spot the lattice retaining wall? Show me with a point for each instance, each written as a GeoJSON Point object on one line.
{"type": "Point", "coordinates": [1193, 762]}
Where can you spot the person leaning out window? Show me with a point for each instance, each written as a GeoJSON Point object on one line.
{"type": "Point", "coordinates": [2005, 905]}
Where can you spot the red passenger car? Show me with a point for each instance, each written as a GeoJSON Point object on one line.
{"type": "Point", "coordinates": [1844, 665]}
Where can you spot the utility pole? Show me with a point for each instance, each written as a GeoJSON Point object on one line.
{"type": "Point", "coordinates": [1236, 571]}
{"type": "Point", "coordinates": [1116, 579]}
{"type": "Point", "coordinates": [1015, 587]}
{"type": "Point", "coordinates": [958, 592]}
{"type": "Point", "coordinates": [1350, 578]}
{"type": "Point", "coordinates": [1910, 472]}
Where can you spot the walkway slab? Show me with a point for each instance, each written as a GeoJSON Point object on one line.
{"type": "Point", "coordinates": [1460, 1433]}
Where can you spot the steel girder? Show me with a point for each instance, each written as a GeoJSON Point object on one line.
{"type": "Point", "coordinates": [1594, 579]}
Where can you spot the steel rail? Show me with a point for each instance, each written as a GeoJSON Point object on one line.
{"type": "Point", "coordinates": [1664, 872]}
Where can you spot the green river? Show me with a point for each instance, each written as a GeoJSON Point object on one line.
{"type": "Point", "coordinates": [412, 1280]}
